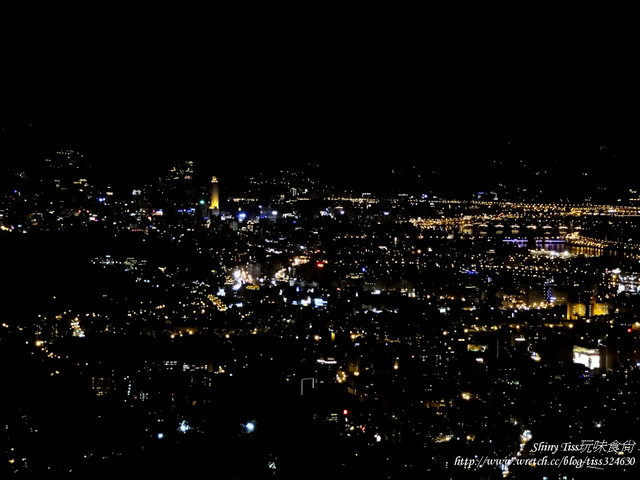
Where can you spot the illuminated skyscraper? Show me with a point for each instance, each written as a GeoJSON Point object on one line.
{"type": "Point", "coordinates": [214, 206]}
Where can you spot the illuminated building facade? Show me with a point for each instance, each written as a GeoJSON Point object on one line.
{"type": "Point", "coordinates": [586, 309]}
{"type": "Point", "coordinates": [214, 206]}
{"type": "Point", "coordinates": [589, 357]}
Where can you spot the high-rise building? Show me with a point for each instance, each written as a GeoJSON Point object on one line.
{"type": "Point", "coordinates": [214, 206]}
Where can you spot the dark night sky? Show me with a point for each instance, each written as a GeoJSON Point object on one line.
{"type": "Point", "coordinates": [233, 101]}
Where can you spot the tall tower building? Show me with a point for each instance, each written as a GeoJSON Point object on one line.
{"type": "Point", "coordinates": [214, 207]}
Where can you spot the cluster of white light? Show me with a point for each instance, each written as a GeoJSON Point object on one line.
{"type": "Point", "coordinates": [589, 357]}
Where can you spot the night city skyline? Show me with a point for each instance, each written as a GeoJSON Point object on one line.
{"type": "Point", "coordinates": [232, 256]}
{"type": "Point", "coordinates": [269, 318]}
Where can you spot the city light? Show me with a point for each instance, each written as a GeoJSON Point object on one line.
{"type": "Point", "coordinates": [235, 317]}
{"type": "Point", "coordinates": [589, 357]}
{"type": "Point", "coordinates": [328, 361]}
